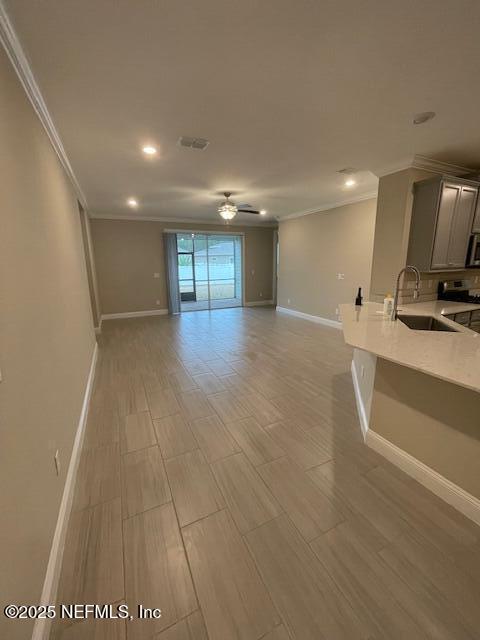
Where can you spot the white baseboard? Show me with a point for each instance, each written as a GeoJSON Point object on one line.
{"type": "Point", "coordinates": [134, 314]}
{"type": "Point", "coordinates": [259, 303]}
{"type": "Point", "coordinates": [439, 485]}
{"type": "Point", "coordinates": [41, 629]}
{"type": "Point", "coordinates": [306, 316]}
{"type": "Point", "coordinates": [362, 414]}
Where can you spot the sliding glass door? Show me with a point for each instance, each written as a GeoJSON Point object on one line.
{"type": "Point", "coordinates": [209, 271]}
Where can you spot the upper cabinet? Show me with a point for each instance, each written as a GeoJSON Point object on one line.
{"type": "Point", "coordinates": [476, 221]}
{"type": "Point", "coordinates": [442, 217]}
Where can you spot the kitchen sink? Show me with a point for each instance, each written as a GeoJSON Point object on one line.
{"type": "Point", "coordinates": [425, 323]}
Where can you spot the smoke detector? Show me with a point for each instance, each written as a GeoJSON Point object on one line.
{"type": "Point", "coordinates": [193, 143]}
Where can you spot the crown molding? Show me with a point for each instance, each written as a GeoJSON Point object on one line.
{"type": "Point", "coordinates": [427, 164]}
{"type": "Point", "coordinates": [330, 205]}
{"type": "Point", "coordinates": [436, 166]}
{"type": "Point", "coordinates": [17, 57]}
{"type": "Point", "coordinates": [191, 221]}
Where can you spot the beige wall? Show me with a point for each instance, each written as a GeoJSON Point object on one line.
{"type": "Point", "coordinates": [392, 229]}
{"type": "Point", "coordinates": [315, 248]}
{"type": "Point", "coordinates": [129, 252]}
{"type": "Point", "coordinates": [432, 420]}
{"type": "Point", "coordinates": [46, 344]}
{"type": "Point", "coordinates": [90, 266]}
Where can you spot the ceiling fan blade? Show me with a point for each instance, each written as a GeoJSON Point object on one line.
{"type": "Point", "coordinates": [249, 211]}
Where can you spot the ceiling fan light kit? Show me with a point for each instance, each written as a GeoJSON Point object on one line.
{"type": "Point", "coordinates": [228, 209]}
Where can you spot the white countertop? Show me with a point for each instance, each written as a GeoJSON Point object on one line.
{"type": "Point", "coordinates": [438, 307]}
{"type": "Point", "coordinates": [450, 356]}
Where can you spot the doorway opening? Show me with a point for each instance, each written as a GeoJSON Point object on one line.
{"type": "Point", "coordinates": [209, 270]}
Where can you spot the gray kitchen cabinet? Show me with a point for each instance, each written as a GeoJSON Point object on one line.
{"type": "Point", "coordinates": [462, 227]}
{"type": "Point", "coordinates": [463, 318]}
{"type": "Point", "coordinates": [476, 220]}
{"type": "Point", "coordinates": [442, 217]}
{"type": "Point", "coordinates": [450, 194]}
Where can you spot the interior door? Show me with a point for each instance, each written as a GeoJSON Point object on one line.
{"type": "Point", "coordinates": [461, 227]}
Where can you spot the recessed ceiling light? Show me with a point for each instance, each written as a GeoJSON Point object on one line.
{"type": "Point", "coordinates": [350, 182]}
{"type": "Point", "coordinates": [149, 150]}
{"type": "Point", "coordinates": [263, 212]}
{"type": "Point", "coordinates": [132, 202]}
{"type": "Point", "coordinates": [425, 116]}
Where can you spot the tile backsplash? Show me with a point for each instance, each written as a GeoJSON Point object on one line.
{"type": "Point", "coordinates": [429, 283]}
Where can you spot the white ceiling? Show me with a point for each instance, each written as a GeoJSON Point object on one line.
{"type": "Point", "coordinates": [287, 92]}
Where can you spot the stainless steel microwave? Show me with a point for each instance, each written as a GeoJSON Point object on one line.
{"type": "Point", "coordinates": [473, 257]}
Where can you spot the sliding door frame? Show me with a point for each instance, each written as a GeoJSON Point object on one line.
{"type": "Point", "coordinates": [194, 280]}
{"type": "Point", "coordinates": [220, 233]}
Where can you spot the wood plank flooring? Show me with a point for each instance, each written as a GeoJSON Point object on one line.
{"type": "Point", "coordinates": [224, 481]}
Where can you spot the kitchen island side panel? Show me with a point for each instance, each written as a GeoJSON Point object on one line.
{"type": "Point", "coordinates": [436, 422]}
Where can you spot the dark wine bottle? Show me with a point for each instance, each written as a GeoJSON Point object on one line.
{"type": "Point", "coordinates": [358, 299]}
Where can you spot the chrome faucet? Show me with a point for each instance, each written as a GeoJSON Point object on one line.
{"type": "Point", "coordinates": [409, 267]}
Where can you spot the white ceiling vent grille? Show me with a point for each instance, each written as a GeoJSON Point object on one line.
{"type": "Point", "coordinates": [193, 143]}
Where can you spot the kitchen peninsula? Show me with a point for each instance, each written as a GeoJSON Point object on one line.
{"type": "Point", "coordinates": [418, 395]}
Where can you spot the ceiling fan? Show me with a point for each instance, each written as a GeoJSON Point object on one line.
{"type": "Point", "coordinates": [228, 209]}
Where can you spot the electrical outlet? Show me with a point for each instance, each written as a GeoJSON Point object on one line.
{"type": "Point", "coordinates": [157, 302]}
{"type": "Point", "coordinates": [288, 300]}
{"type": "Point", "coordinates": [56, 460]}
{"type": "Point", "coordinates": [340, 276]}
{"type": "Point", "coordinates": [260, 294]}
{"type": "Point", "coordinates": [156, 275]}
{"type": "Point", "coordinates": [337, 311]}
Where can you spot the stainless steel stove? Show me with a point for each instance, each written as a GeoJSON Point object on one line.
{"type": "Point", "coordinates": [461, 291]}
{"type": "Point", "coordinates": [457, 291]}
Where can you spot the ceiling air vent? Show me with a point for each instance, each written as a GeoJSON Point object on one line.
{"type": "Point", "coordinates": [192, 143]}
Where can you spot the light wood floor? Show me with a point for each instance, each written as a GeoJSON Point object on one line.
{"type": "Point", "coordinates": [224, 481]}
